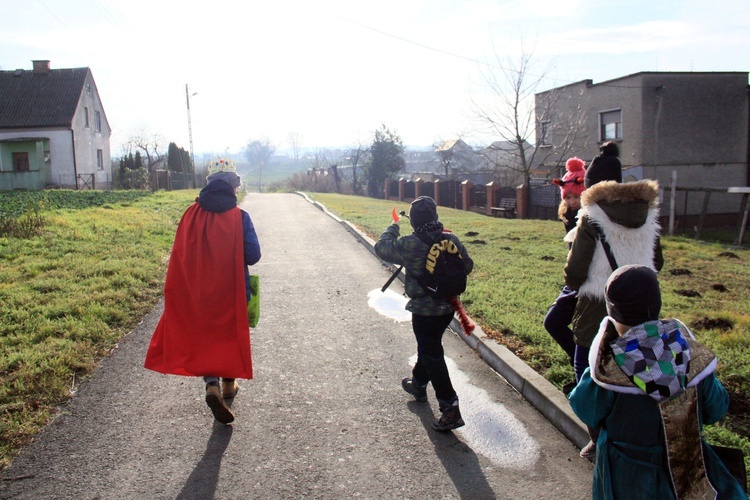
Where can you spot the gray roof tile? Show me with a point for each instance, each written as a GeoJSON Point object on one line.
{"type": "Point", "coordinates": [29, 100]}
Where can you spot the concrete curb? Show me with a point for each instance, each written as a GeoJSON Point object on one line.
{"type": "Point", "coordinates": [544, 396]}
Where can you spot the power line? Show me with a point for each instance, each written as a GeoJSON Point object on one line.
{"type": "Point", "coordinates": [50, 11]}
{"type": "Point", "coordinates": [484, 63]}
{"type": "Point", "coordinates": [444, 52]}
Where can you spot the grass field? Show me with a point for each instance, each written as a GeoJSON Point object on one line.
{"type": "Point", "coordinates": [94, 265]}
{"type": "Point", "coordinates": [518, 274]}
{"type": "Point", "coordinates": [69, 293]}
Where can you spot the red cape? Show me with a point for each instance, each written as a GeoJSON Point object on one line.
{"type": "Point", "coordinates": [203, 330]}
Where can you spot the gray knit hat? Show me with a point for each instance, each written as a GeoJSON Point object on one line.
{"type": "Point", "coordinates": [230, 177]}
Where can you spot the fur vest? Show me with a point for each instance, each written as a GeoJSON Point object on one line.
{"type": "Point", "coordinates": [628, 215]}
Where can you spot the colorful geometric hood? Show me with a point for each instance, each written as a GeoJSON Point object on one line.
{"type": "Point", "coordinates": [658, 358]}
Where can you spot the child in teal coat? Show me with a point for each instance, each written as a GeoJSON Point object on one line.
{"type": "Point", "coordinates": [650, 387]}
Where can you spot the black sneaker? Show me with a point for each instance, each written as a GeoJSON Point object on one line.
{"type": "Point", "coordinates": [450, 418]}
{"type": "Point", "coordinates": [419, 392]}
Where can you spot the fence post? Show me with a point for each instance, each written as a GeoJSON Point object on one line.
{"type": "Point", "coordinates": [702, 218]}
{"type": "Point", "coordinates": [672, 201]}
{"type": "Point", "coordinates": [466, 195]}
{"type": "Point", "coordinates": [436, 191]}
{"type": "Point", "coordinates": [490, 197]}
{"type": "Point", "coordinates": [401, 184]}
{"type": "Point", "coordinates": [522, 193]}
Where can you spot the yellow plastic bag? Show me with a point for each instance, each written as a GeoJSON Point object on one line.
{"type": "Point", "coordinates": [253, 305]}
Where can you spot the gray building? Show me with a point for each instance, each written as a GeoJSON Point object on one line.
{"type": "Point", "coordinates": [693, 124]}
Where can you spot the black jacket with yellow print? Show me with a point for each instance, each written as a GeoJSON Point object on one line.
{"type": "Point", "coordinates": [411, 252]}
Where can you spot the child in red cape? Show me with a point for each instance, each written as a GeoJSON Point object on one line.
{"type": "Point", "coordinates": [204, 328]}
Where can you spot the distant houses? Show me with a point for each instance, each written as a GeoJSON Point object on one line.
{"type": "Point", "coordinates": [53, 129]}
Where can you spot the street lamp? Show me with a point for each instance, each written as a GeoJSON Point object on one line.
{"type": "Point", "coordinates": [188, 95]}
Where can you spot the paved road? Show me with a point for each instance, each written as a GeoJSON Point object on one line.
{"type": "Point", "coordinates": [325, 416]}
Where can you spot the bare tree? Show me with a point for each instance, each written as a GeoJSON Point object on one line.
{"type": "Point", "coordinates": [258, 153]}
{"type": "Point", "coordinates": [153, 147]}
{"type": "Point", "coordinates": [320, 160]}
{"type": "Point", "coordinates": [295, 142]}
{"type": "Point", "coordinates": [517, 119]}
{"type": "Point", "coordinates": [358, 156]}
{"type": "Point", "coordinates": [445, 154]}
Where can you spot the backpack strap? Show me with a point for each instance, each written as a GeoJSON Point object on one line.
{"type": "Point", "coordinates": [607, 248]}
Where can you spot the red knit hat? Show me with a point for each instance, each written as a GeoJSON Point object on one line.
{"type": "Point", "coordinates": [572, 181]}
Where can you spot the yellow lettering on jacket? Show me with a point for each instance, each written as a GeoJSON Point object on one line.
{"type": "Point", "coordinates": [432, 255]}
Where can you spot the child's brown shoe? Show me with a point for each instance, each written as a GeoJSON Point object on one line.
{"type": "Point", "coordinates": [229, 388]}
{"type": "Point", "coordinates": [215, 401]}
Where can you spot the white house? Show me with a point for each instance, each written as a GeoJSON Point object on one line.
{"type": "Point", "coordinates": [53, 130]}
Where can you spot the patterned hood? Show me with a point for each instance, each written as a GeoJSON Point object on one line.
{"type": "Point", "coordinates": [658, 358]}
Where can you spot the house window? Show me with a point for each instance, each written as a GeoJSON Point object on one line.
{"type": "Point", "coordinates": [99, 159]}
{"type": "Point", "coordinates": [610, 125]}
{"type": "Point", "coordinates": [86, 117]}
{"type": "Point", "coordinates": [21, 162]}
{"type": "Point", "coordinates": [88, 89]}
{"type": "Point", "coordinates": [97, 121]}
{"type": "Point", "coordinates": [46, 157]}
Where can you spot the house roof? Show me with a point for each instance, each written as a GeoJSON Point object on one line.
{"type": "Point", "coordinates": [448, 145]}
{"type": "Point", "coordinates": [32, 100]}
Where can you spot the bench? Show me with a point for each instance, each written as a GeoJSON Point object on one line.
{"type": "Point", "coordinates": [507, 207]}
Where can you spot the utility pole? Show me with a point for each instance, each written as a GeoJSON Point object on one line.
{"type": "Point", "coordinates": [190, 135]}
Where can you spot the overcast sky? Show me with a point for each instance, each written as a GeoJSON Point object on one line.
{"type": "Point", "coordinates": [333, 71]}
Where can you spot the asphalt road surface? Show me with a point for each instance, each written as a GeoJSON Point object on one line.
{"type": "Point", "coordinates": [325, 416]}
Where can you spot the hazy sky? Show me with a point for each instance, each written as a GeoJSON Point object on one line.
{"type": "Point", "coordinates": [332, 71]}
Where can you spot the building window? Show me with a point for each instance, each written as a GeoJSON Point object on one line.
{"type": "Point", "coordinates": [99, 159]}
{"type": "Point", "coordinates": [47, 157]}
{"type": "Point", "coordinates": [86, 117]}
{"type": "Point", "coordinates": [88, 89]}
{"type": "Point", "coordinates": [97, 121]}
{"type": "Point", "coordinates": [545, 128]}
{"type": "Point", "coordinates": [21, 162]}
{"type": "Point", "coordinates": [610, 125]}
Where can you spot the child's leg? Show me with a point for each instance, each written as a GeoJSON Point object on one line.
{"type": "Point", "coordinates": [581, 361]}
{"type": "Point", "coordinates": [559, 317]}
{"type": "Point", "coordinates": [430, 355]}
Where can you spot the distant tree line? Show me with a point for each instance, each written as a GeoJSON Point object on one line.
{"type": "Point", "coordinates": [134, 173]}
{"type": "Point", "coordinates": [361, 169]}
{"type": "Point", "coordinates": [178, 160]}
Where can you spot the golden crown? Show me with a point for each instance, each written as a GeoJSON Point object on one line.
{"type": "Point", "coordinates": [221, 165]}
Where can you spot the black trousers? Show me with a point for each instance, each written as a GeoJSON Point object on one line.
{"type": "Point", "coordinates": [431, 365]}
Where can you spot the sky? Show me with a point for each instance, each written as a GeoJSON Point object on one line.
{"type": "Point", "coordinates": [331, 72]}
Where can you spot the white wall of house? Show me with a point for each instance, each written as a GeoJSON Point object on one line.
{"type": "Point", "coordinates": [88, 140]}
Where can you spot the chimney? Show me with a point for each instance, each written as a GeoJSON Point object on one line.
{"type": "Point", "coordinates": [41, 67]}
